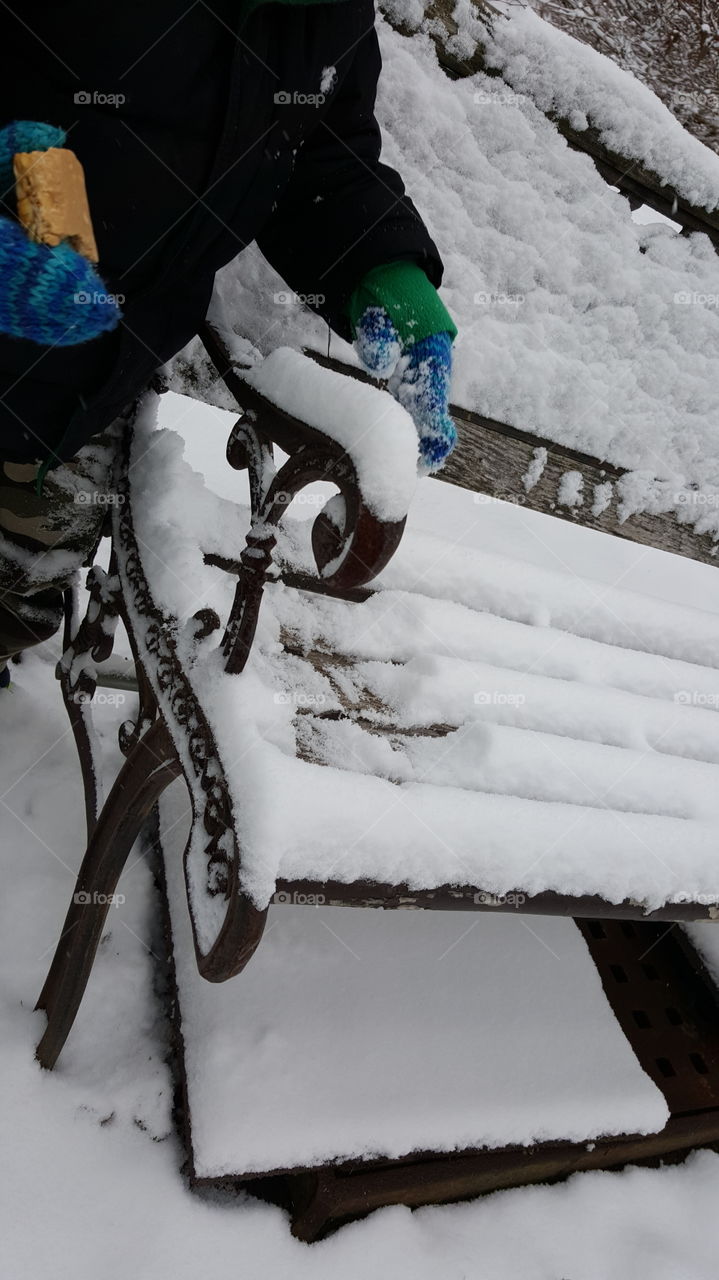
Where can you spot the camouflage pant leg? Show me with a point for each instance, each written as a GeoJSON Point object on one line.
{"type": "Point", "coordinates": [45, 538]}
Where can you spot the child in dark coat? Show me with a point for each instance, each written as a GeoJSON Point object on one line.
{"type": "Point", "coordinates": [200, 130]}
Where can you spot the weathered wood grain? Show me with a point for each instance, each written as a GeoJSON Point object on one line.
{"type": "Point", "coordinates": [492, 459]}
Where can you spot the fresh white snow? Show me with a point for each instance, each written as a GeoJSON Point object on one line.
{"type": "Point", "coordinates": [581, 674]}
{"type": "Point", "coordinates": [570, 79]}
{"type": "Point", "coordinates": [576, 322]}
{"type": "Point", "coordinates": [571, 488]}
{"type": "Point", "coordinates": [431, 1040]}
{"type": "Point", "coordinates": [109, 1196]}
{"type": "Point", "coordinates": [523, 670]}
{"type": "Point", "coordinates": [376, 432]}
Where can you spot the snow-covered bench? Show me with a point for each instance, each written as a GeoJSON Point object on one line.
{"type": "Point", "coordinates": [586, 366]}
{"type": "Point", "coordinates": [189, 721]}
{"type": "Point", "coordinates": [333, 744]}
{"type": "Point", "coordinates": [634, 140]}
{"type": "Point", "coordinates": [327, 727]}
{"type": "Point", "coordinates": [458, 735]}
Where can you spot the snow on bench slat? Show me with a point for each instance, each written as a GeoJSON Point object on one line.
{"type": "Point", "coordinates": [524, 1067]}
{"type": "Point", "coordinates": [553, 598]}
{"type": "Point", "coordinates": [570, 79]}
{"type": "Point", "coordinates": [429, 576]}
{"type": "Point", "coordinates": [507, 760]}
{"type": "Point", "coordinates": [336, 824]}
{"type": "Point", "coordinates": [347, 827]}
{"type": "Point", "coordinates": [417, 624]}
{"type": "Point", "coordinates": [348, 824]}
{"type": "Point", "coordinates": [430, 690]}
{"type": "Point", "coordinates": [376, 432]}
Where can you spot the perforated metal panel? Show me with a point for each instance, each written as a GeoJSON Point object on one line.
{"type": "Point", "coordinates": [658, 989]}
{"type": "Point", "coordinates": [669, 1011]}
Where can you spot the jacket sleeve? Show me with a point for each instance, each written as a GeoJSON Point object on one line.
{"type": "Point", "coordinates": [343, 212]}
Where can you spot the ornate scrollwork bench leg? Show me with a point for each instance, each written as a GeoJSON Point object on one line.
{"type": "Point", "coordinates": [173, 734]}
{"type": "Point", "coordinates": [171, 737]}
{"type": "Point", "coordinates": [83, 646]}
{"type": "Point", "coordinates": [149, 768]}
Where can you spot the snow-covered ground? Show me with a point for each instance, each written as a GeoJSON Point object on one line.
{"type": "Point", "coordinates": [90, 1176]}
{"type": "Point", "coordinates": [587, 327]}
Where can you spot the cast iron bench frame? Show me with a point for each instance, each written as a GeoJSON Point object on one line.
{"type": "Point", "coordinates": [150, 744]}
{"type": "Point", "coordinates": [492, 458]}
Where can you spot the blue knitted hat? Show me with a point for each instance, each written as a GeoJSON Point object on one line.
{"type": "Point", "coordinates": [49, 295]}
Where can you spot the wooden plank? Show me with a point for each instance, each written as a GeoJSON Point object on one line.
{"type": "Point", "coordinates": [637, 182]}
{"type": "Point", "coordinates": [464, 897]}
{"type": "Point", "coordinates": [492, 458]}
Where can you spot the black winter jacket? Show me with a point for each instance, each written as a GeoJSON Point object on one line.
{"type": "Point", "coordinates": [198, 135]}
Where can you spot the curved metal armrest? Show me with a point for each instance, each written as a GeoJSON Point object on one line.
{"type": "Point", "coordinates": [351, 545]}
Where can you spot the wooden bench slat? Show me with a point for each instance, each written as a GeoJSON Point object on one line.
{"type": "Point", "coordinates": [491, 459]}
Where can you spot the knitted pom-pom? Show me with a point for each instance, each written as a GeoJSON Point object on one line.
{"type": "Point", "coordinates": [24, 135]}
{"type": "Point", "coordinates": [52, 296]}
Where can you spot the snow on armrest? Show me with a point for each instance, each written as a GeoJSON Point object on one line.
{"type": "Point", "coordinates": [375, 431]}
